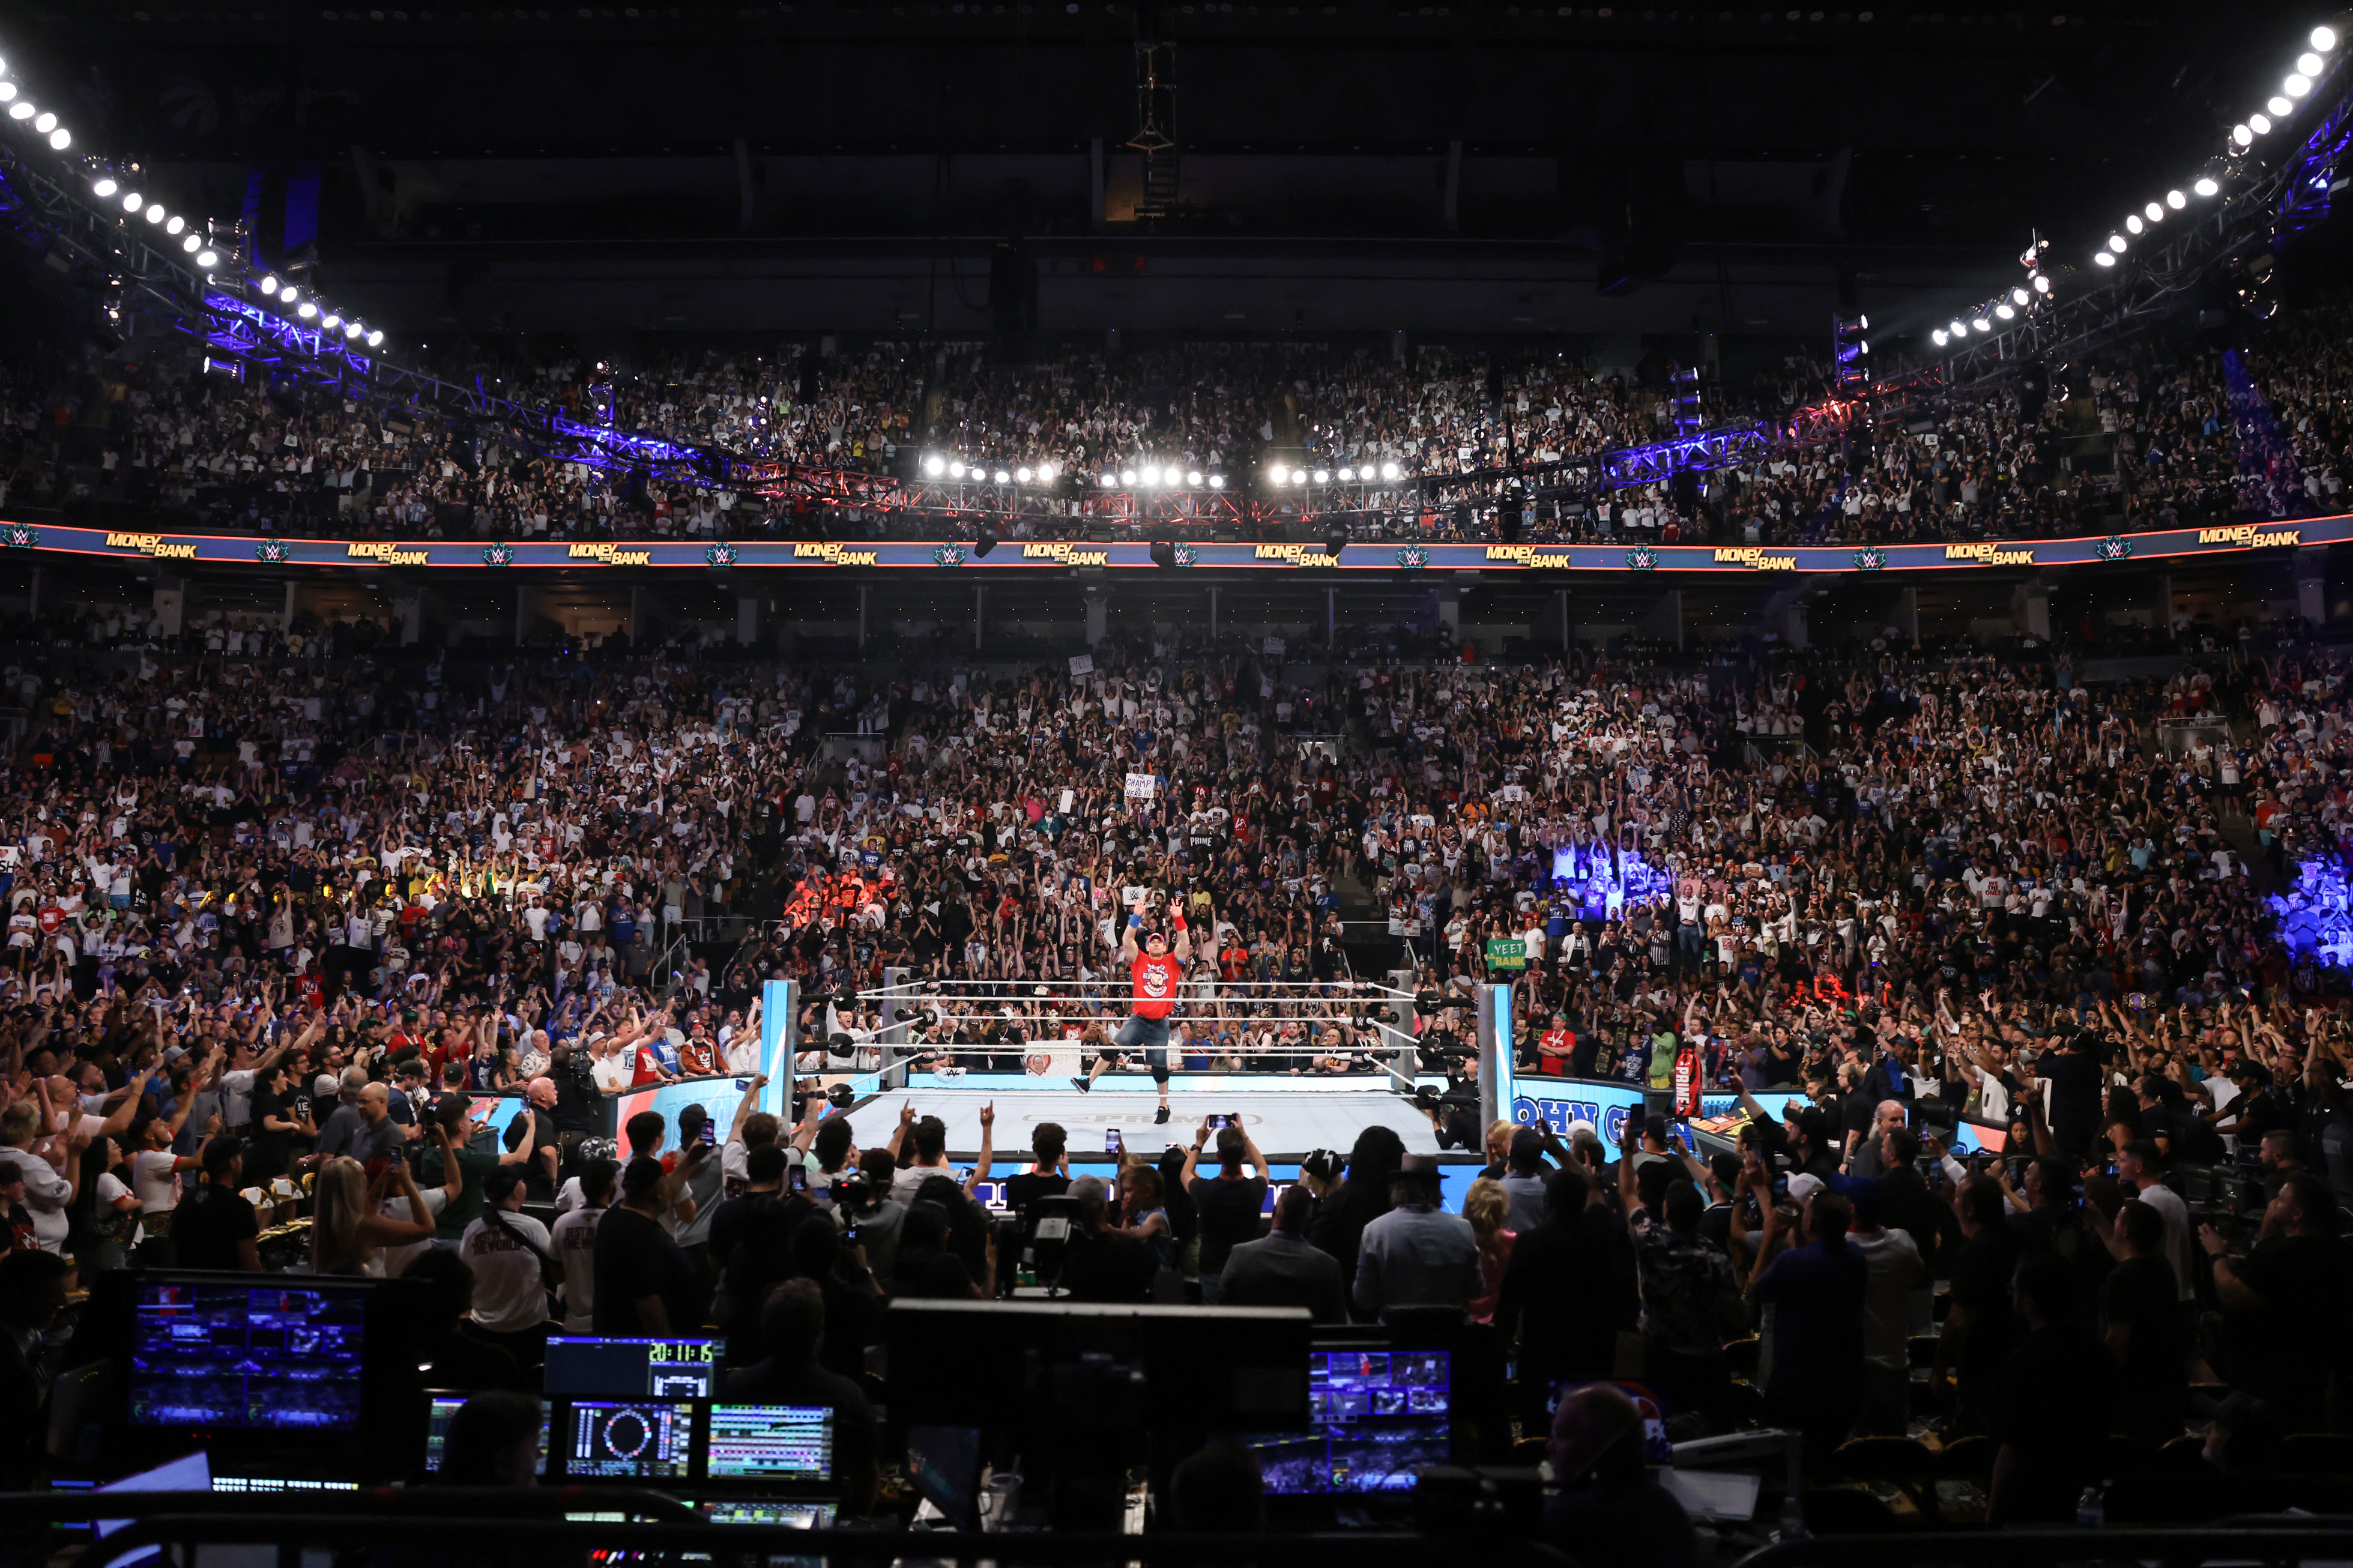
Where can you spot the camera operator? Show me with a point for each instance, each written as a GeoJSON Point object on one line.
{"type": "Point", "coordinates": [577, 1101]}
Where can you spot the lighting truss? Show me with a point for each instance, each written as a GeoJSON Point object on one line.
{"type": "Point", "coordinates": [55, 211]}
{"type": "Point", "coordinates": [2254, 207]}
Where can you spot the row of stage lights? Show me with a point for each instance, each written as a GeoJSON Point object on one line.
{"type": "Point", "coordinates": [2030, 295]}
{"type": "Point", "coordinates": [2281, 104]}
{"type": "Point", "coordinates": [1149, 476]}
{"type": "Point", "coordinates": [1390, 472]}
{"type": "Point", "coordinates": [2036, 291]}
{"type": "Point", "coordinates": [135, 205]}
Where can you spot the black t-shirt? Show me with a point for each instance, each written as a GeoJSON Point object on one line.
{"type": "Point", "coordinates": [1981, 1274]}
{"type": "Point", "coordinates": [636, 1259]}
{"type": "Point", "coordinates": [2285, 1351]}
{"type": "Point", "coordinates": [2152, 1385]}
{"type": "Point", "coordinates": [539, 1127]}
{"type": "Point", "coordinates": [2074, 1079]}
{"type": "Point", "coordinates": [1026, 1187]}
{"type": "Point", "coordinates": [1109, 1267]}
{"type": "Point", "coordinates": [266, 1151]}
{"type": "Point", "coordinates": [2054, 1412]}
{"type": "Point", "coordinates": [1229, 1212]}
{"type": "Point", "coordinates": [207, 1227]}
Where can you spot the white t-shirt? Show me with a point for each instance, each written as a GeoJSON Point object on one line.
{"type": "Point", "coordinates": [508, 1294]}
{"type": "Point", "coordinates": [574, 1247]}
{"type": "Point", "coordinates": [155, 1180]}
{"type": "Point", "coordinates": [390, 1260]}
{"type": "Point", "coordinates": [615, 1071]}
{"type": "Point", "coordinates": [46, 1193]}
{"type": "Point", "coordinates": [2178, 1245]}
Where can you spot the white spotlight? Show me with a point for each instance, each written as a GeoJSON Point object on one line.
{"type": "Point", "coordinates": [1389, 471]}
{"type": "Point", "coordinates": [934, 464]}
{"type": "Point", "coordinates": [2018, 297]}
{"type": "Point", "coordinates": [2259, 125]}
{"type": "Point", "coordinates": [132, 201]}
{"type": "Point", "coordinates": [1045, 472]}
{"type": "Point", "coordinates": [307, 310]}
{"type": "Point", "coordinates": [21, 110]}
{"type": "Point", "coordinates": [2206, 187]}
{"type": "Point", "coordinates": [1299, 476]}
{"type": "Point", "coordinates": [352, 329]}
{"type": "Point", "coordinates": [8, 91]}
{"type": "Point", "coordinates": [2116, 243]}
{"type": "Point", "coordinates": [1127, 476]}
{"type": "Point", "coordinates": [1958, 329]}
{"type": "Point", "coordinates": [286, 292]}
{"type": "Point", "coordinates": [207, 259]}
{"type": "Point", "coordinates": [956, 470]}
{"type": "Point", "coordinates": [330, 320]}
{"type": "Point", "coordinates": [2176, 200]}
{"type": "Point", "coordinates": [1278, 473]}
{"type": "Point", "coordinates": [1939, 337]}
{"type": "Point", "coordinates": [104, 188]}
{"type": "Point", "coordinates": [1002, 477]}
{"type": "Point", "coordinates": [1021, 475]}
{"type": "Point", "coordinates": [1346, 475]}
{"type": "Point", "coordinates": [1322, 476]}
{"type": "Point", "coordinates": [2297, 85]}
{"type": "Point", "coordinates": [46, 123]}
{"type": "Point", "coordinates": [2154, 212]}
{"type": "Point", "coordinates": [193, 244]}
{"type": "Point", "coordinates": [2309, 64]}
{"type": "Point", "coordinates": [2042, 284]}
{"type": "Point", "coordinates": [1863, 322]}
{"type": "Point", "coordinates": [270, 283]}
{"type": "Point", "coordinates": [2241, 136]}
{"type": "Point", "coordinates": [2105, 260]}
{"type": "Point", "coordinates": [61, 139]}
{"type": "Point", "coordinates": [375, 337]}
{"type": "Point", "coordinates": [1981, 324]}
{"type": "Point", "coordinates": [175, 225]}
{"type": "Point", "coordinates": [156, 211]}
{"type": "Point", "coordinates": [1109, 481]}
{"type": "Point", "coordinates": [1193, 477]}
{"type": "Point", "coordinates": [1217, 482]}
{"type": "Point", "coordinates": [2280, 107]}
{"type": "Point", "coordinates": [2323, 39]}
{"type": "Point", "coordinates": [2133, 223]}
{"type": "Point", "coordinates": [2006, 311]}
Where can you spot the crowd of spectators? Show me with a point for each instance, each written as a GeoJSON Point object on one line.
{"type": "Point", "coordinates": [262, 907]}
{"type": "Point", "coordinates": [2162, 431]}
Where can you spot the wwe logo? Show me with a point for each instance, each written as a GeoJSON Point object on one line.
{"type": "Point", "coordinates": [1640, 559]}
{"type": "Point", "coordinates": [720, 554]}
{"type": "Point", "coordinates": [498, 553]}
{"type": "Point", "coordinates": [948, 555]}
{"type": "Point", "coordinates": [1870, 558]}
{"type": "Point", "coordinates": [1413, 556]}
{"type": "Point", "coordinates": [20, 536]}
{"type": "Point", "coordinates": [1187, 555]}
{"type": "Point", "coordinates": [271, 552]}
{"type": "Point", "coordinates": [2114, 548]}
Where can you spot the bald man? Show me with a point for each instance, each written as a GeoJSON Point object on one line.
{"type": "Point", "coordinates": [533, 1136]}
{"type": "Point", "coordinates": [1607, 1506]}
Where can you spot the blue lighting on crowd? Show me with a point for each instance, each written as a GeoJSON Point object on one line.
{"type": "Point", "coordinates": [2315, 917]}
{"type": "Point", "coordinates": [1602, 881]}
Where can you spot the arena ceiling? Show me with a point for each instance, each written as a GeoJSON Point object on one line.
{"type": "Point", "coordinates": [1446, 165]}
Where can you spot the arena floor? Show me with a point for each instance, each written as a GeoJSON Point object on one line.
{"type": "Point", "coordinates": [1285, 1126]}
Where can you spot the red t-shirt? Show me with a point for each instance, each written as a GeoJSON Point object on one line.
{"type": "Point", "coordinates": [1556, 1043]}
{"type": "Point", "coordinates": [1155, 985]}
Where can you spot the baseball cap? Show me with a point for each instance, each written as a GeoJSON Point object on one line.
{"type": "Point", "coordinates": [1804, 1185]}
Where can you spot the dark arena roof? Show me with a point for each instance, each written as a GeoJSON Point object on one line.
{"type": "Point", "coordinates": [1049, 784]}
